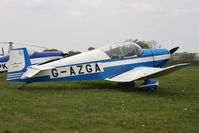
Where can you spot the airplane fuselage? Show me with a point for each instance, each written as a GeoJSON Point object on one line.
{"type": "Point", "coordinates": [94, 65]}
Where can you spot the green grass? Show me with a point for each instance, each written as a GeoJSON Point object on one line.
{"type": "Point", "coordinates": [101, 106]}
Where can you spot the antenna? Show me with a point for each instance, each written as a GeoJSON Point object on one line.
{"type": "Point", "coordinates": [2, 51]}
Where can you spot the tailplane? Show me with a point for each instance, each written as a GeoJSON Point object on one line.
{"type": "Point", "coordinates": [18, 63]}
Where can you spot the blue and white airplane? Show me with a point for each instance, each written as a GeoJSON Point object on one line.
{"type": "Point", "coordinates": [35, 57]}
{"type": "Point", "coordinates": [123, 63]}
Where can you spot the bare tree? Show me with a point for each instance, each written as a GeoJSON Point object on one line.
{"type": "Point", "coordinates": [153, 44]}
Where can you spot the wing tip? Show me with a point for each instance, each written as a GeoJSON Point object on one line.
{"type": "Point", "coordinates": [184, 64]}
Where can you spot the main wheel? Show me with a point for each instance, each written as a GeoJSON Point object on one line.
{"type": "Point", "coordinates": [20, 88]}
{"type": "Point", "coordinates": [149, 85]}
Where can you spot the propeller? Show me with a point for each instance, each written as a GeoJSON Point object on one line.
{"type": "Point", "coordinates": [36, 46]}
{"type": "Point", "coordinates": [11, 44]}
{"type": "Point", "coordinates": [173, 50]}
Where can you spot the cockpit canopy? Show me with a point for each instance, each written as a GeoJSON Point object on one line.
{"type": "Point", "coordinates": [122, 50]}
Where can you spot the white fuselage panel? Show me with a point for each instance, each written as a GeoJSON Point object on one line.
{"type": "Point", "coordinates": [90, 56]}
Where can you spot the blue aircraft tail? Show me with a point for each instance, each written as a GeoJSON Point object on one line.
{"type": "Point", "coordinates": [18, 62]}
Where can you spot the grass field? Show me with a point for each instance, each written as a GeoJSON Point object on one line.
{"type": "Point", "coordinates": [101, 106]}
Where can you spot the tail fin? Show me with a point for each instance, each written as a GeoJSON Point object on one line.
{"type": "Point", "coordinates": [18, 62]}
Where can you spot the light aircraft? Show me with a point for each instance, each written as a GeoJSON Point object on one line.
{"type": "Point", "coordinates": [35, 57]}
{"type": "Point", "coordinates": [121, 62]}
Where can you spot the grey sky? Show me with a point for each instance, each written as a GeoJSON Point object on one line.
{"type": "Point", "coordinates": [78, 24]}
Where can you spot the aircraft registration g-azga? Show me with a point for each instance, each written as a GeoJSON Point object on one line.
{"type": "Point", "coordinates": [123, 63]}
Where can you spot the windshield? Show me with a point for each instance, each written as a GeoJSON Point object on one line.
{"type": "Point", "coordinates": [122, 50]}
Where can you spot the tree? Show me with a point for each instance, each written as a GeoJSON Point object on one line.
{"type": "Point", "coordinates": [71, 53]}
{"type": "Point", "coordinates": [187, 56]}
{"type": "Point", "coordinates": [153, 44]}
{"type": "Point", "coordinates": [144, 44]}
{"type": "Point", "coordinates": [91, 48]}
{"type": "Point", "coordinates": [50, 50]}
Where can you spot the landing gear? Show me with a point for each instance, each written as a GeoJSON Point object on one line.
{"type": "Point", "coordinates": [127, 83]}
{"type": "Point", "coordinates": [22, 87]}
{"type": "Point", "coordinates": [149, 84]}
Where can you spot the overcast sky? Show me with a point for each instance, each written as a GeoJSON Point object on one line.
{"type": "Point", "coordinates": [79, 24]}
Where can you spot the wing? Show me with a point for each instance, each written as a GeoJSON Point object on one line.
{"type": "Point", "coordinates": [142, 72]}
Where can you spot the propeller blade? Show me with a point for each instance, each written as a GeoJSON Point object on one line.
{"type": "Point", "coordinates": [6, 42]}
{"type": "Point", "coordinates": [30, 45]}
{"type": "Point", "coordinates": [11, 43]}
{"type": "Point", "coordinates": [36, 46]}
{"type": "Point", "coordinates": [173, 50]}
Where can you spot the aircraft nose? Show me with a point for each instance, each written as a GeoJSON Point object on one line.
{"type": "Point", "coordinates": [160, 56]}
{"type": "Point", "coordinates": [158, 52]}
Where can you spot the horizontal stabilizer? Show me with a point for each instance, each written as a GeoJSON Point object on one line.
{"type": "Point", "coordinates": [33, 70]}
{"type": "Point", "coordinates": [142, 72]}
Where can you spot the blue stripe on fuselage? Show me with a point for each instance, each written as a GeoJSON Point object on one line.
{"type": "Point", "coordinates": [108, 72]}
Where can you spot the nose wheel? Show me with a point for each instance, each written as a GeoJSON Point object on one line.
{"type": "Point", "coordinates": [20, 88]}
{"type": "Point", "coordinates": [149, 84]}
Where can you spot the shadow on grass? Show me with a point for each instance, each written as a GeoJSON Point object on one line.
{"type": "Point", "coordinates": [129, 89]}
{"type": "Point", "coordinates": [99, 85]}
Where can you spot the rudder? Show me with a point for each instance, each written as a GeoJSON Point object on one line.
{"type": "Point", "coordinates": [18, 62]}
